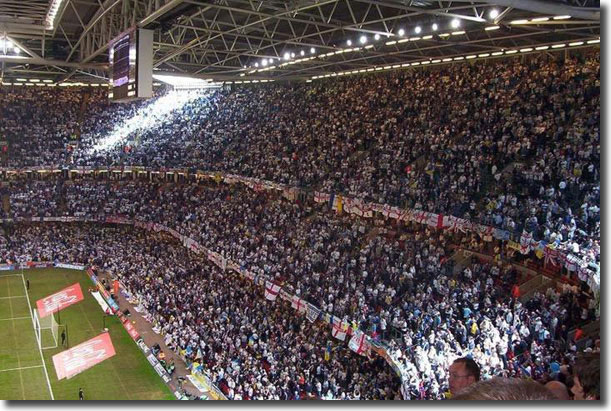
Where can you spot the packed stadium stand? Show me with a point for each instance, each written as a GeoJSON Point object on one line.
{"type": "Point", "coordinates": [345, 237]}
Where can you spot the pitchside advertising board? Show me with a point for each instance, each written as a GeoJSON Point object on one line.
{"type": "Point", "coordinates": [111, 302]}
{"type": "Point", "coordinates": [84, 356]}
{"type": "Point", "coordinates": [60, 300]}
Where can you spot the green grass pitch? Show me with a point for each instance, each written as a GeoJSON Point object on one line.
{"type": "Point", "coordinates": [126, 376]}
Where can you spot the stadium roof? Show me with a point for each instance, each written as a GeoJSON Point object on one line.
{"type": "Point", "coordinates": [237, 39]}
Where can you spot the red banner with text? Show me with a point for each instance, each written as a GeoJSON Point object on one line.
{"type": "Point", "coordinates": [83, 356]}
{"type": "Point", "coordinates": [60, 300]}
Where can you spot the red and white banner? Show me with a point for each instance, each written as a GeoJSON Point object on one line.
{"type": "Point", "coordinates": [339, 329]}
{"type": "Point", "coordinates": [525, 242]}
{"type": "Point", "coordinates": [358, 343]}
{"type": "Point", "coordinates": [129, 327]}
{"type": "Point", "coordinates": [59, 300]}
{"type": "Point", "coordinates": [102, 302]}
{"type": "Point", "coordinates": [77, 359]}
{"type": "Point", "coordinates": [298, 304]}
{"type": "Point", "coordinates": [271, 290]}
{"type": "Point", "coordinates": [321, 197]}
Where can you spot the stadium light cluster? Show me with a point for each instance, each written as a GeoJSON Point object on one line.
{"type": "Point", "coordinates": [455, 24]}
{"type": "Point", "coordinates": [363, 39]}
{"type": "Point", "coordinates": [538, 20]}
{"type": "Point", "coordinates": [509, 52]}
{"type": "Point", "coordinates": [401, 35]}
{"type": "Point", "coordinates": [8, 48]}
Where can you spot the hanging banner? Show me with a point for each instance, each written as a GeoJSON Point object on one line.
{"type": "Point", "coordinates": [102, 302]}
{"type": "Point", "coordinates": [339, 329]}
{"type": "Point", "coordinates": [358, 343]}
{"type": "Point", "coordinates": [312, 313]}
{"type": "Point", "coordinates": [525, 241]}
{"type": "Point", "coordinates": [321, 197]}
{"type": "Point", "coordinates": [271, 290]}
{"type": "Point", "coordinates": [298, 304]}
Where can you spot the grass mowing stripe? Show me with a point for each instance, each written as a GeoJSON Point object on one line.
{"type": "Point", "coordinates": [111, 363]}
{"type": "Point", "coordinates": [8, 285]}
{"type": "Point", "coordinates": [100, 382]}
{"type": "Point", "coordinates": [34, 329]}
{"type": "Point", "coordinates": [22, 368]}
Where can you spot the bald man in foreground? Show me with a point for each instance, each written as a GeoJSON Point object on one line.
{"type": "Point", "coordinates": [558, 389]}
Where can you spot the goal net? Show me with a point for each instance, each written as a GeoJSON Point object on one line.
{"type": "Point", "coordinates": [47, 330]}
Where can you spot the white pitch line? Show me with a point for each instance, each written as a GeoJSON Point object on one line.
{"type": "Point", "coordinates": [14, 296]}
{"type": "Point", "coordinates": [10, 275]}
{"type": "Point", "coordinates": [15, 318]}
{"type": "Point", "coordinates": [22, 368]}
{"type": "Point", "coordinates": [34, 327]}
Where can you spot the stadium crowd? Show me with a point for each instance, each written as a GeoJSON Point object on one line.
{"type": "Point", "coordinates": [531, 140]}
{"type": "Point", "coordinates": [397, 284]}
{"type": "Point", "coordinates": [515, 146]}
{"type": "Point", "coordinates": [251, 348]}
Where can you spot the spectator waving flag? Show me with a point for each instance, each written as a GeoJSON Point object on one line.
{"type": "Point", "coordinates": [271, 290]}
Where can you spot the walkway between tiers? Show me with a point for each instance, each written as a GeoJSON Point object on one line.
{"type": "Point", "coordinates": [145, 329]}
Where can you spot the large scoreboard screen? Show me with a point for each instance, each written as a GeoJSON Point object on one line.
{"type": "Point", "coordinates": [122, 64]}
{"type": "Point", "coordinates": [131, 60]}
{"type": "Point", "coordinates": [123, 55]}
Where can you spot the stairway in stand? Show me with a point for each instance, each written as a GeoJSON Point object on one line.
{"type": "Point", "coordinates": [6, 203]}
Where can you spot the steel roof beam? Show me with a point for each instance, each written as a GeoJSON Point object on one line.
{"type": "Point", "coordinates": [476, 42]}
{"type": "Point", "coordinates": [547, 7]}
{"type": "Point", "coordinates": [48, 62]}
{"type": "Point", "coordinates": [194, 43]}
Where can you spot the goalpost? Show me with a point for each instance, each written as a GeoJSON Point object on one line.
{"type": "Point", "coordinates": [47, 330]}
